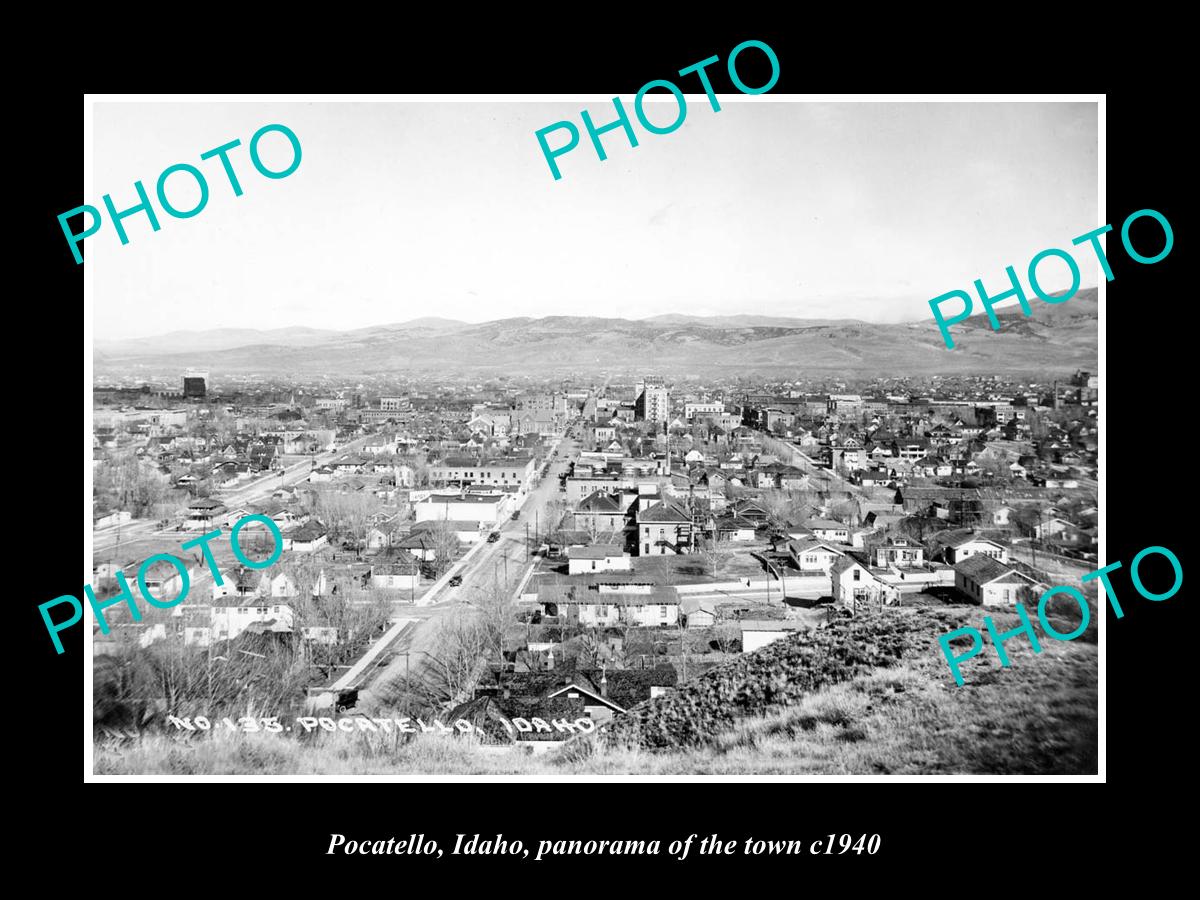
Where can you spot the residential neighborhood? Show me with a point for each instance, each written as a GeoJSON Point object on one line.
{"type": "Point", "coordinates": [617, 538]}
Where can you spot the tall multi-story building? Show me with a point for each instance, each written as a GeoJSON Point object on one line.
{"type": "Point", "coordinates": [195, 384]}
{"type": "Point", "coordinates": [653, 401]}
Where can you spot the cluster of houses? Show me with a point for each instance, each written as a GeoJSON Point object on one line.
{"type": "Point", "coordinates": [865, 499]}
{"type": "Point", "coordinates": [900, 494]}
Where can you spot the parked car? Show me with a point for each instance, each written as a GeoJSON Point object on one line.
{"type": "Point", "coordinates": [456, 581]}
{"type": "Point", "coordinates": [516, 515]}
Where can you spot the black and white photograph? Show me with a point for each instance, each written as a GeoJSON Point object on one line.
{"type": "Point", "coordinates": [528, 438]}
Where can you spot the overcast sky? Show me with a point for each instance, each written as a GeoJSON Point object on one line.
{"type": "Point", "coordinates": [403, 210]}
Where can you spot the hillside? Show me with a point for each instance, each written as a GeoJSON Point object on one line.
{"type": "Point", "coordinates": [871, 695]}
{"type": "Point", "coordinates": [881, 684]}
{"type": "Point", "coordinates": [1059, 337]}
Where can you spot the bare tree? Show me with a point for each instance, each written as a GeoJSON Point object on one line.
{"type": "Point", "coordinates": [347, 513]}
{"type": "Point", "coordinates": [589, 651]}
{"type": "Point", "coordinates": [125, 482]}
{"type": "Point", "coordinates": [496, 614]}
{"type": "Point", "coordinates": [460, 645]}
{"type": "Point", "coordinates": [728, 637]}
{"type": "Point", "coordinates": [594, 531]}
{"type": "Point", "coordinates": [444, 543]}
{"type": "Point", "coordinates": [713, 557]}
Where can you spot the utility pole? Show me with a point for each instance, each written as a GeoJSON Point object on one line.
{"type": "Point", "coordinates": [682, 645]}
{"type": "Point", "coordinates": [407, 686]}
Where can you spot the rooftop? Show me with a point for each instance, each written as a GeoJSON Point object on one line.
{"type": "Point", "coordinates": [596, 551]}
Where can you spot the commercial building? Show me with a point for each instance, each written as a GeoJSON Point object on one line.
{"type": "Point", "coordinates": [500, 472]}
{"type": "Point", "coordinates": [653, 402]}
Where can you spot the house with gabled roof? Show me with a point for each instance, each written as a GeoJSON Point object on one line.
{"type": "Point", "coordinates": [899, 552]}
{"type": "Point", "coordinates": [612, 603]}
{"type": "Point", "coordinates": [732, 527]}
{"type": "Point", "coordinates": [663, 529]}
{"type": "Point", "coordinates": [602, 511]}
{"type": "Point", "coordinates": [605, 693]}
{"type": "Point", "coordinates": [991, 583]}
{"type": "Point", "coordinates": [381, 535]}
{"type": "Point", "coordinates": [959, 546]}
{"type": "Point", "coordinates": [204, 514]}
{"type": "Point", "coordinates": [697, 612]}
{"type": "Point", "coordinates": [231, 616]}
{"type": "Point", "coordinates": [752, 510]}
{"type": "Point", "coordinates": [396, 573]}
{"type": "Point", "coordinates": [306, 538]}
{"type": "Point", "coordinates": [812, 555]}
{"type": "Point", "coordinates": [856, 586]}
{"type": "Point", "coordinates": [829, 529]}
{"type": "Point", "coordinates": [1001, 515]}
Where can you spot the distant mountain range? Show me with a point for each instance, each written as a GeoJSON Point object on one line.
{"type": "Point", "coordinates": [1056, 337]}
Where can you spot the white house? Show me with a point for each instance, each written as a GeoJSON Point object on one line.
{"type": "Point", "coordinates": [645, 605]}
{"type": "Point", "coordinates": [380, 536]}
{"type": "Point", "coordinates": [597, 558]}
{"type": "Point", "coordinates": [279, 587]}
{"type": "Point", "coordinates": [854, 585]}
{"type": "Point", "coordinates": [697, 612]}
{"type": "Point", "coordinates": [735, 528]}
{"type": "Point", "coordinates": [829, 530]}
{"type": "Point", "coordinates": [402, 574]}
{"type": "Point", "coordinates": [1052, 527]}
{"type": "Point", "coordinates": [969, 545]}
{"type": "Point", "coordinates": [307, 538]}
{"type": "Point", "coordinates": [230, 621]}
{"type": "Point", "coordinates": [899, 552]}
{"type": "Point", "coordinates": [991, 583]}
{"type": "Point", "coordinates": [814, 556]}
{"type": "Point", "coordinates": [163, 580]}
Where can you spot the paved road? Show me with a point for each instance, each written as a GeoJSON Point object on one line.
{"type": "Point", "coordinates": [361, 669]}
{"type": "Point", "coordinates": [263, 487]}
{"type": "Point", "coordinates": [259, 489]}
{"type": "Point", "coordinates": [480, 574]}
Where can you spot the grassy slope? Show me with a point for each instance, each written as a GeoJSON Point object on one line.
{"type": "Point", "coordinates": [906, 716]}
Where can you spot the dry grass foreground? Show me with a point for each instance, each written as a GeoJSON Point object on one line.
{"type": "Point", "coordinates": [870, 695]}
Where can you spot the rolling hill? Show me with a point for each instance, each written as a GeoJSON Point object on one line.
{"type": "Point", "coordinates": [1056, 337]}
